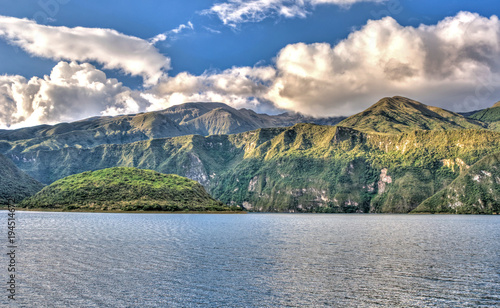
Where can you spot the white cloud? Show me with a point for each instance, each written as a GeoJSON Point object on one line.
{"type": "Point", "coordinates": [182, 27]}
{"type": "Point", "coordinates": [163, 36]}
{"type": "Point", "coordinates": [108, 47]}
{"type": "Point", "coordinates": [239, 87]}
{"type": "Point", "coordinates": [71, 92]}
{"type": "Point", "coordinates": [235, 12]}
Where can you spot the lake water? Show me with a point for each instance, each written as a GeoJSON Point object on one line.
{"type": "Point", "coordinates": [254, 260]}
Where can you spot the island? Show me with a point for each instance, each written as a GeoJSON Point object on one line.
{"type": "Point", "coordinates": [125, 189]}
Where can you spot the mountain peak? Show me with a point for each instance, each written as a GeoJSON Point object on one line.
{"type": "Point", "coordinates": [396, 102]}
{"type": "Point", "coordinates": [497, 104]}
{"type": "Point", "coordinates": [400, 114]}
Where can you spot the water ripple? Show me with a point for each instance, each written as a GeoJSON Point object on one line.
{"type": "Point", "coordinates": [257, 260]}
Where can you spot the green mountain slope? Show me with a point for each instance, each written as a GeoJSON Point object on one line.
{"type": "Point", "coordinates": [476, 191]}
{"type": "Point", "coordinates": [186, 119]}
{"type": "Point", "coordinates": [491, 116]}
{"type": "Point", "coordinates": [301, 168]}
{"type": "Point", "coordinates": [125, 189]}
{"type": "Point", "coordinates": [399, 114]}
{"type": "Point", "coordinates": [15, 185]}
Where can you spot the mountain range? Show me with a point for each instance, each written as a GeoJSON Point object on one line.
{"type": "Point", "coordinates": [390, 158]}
{"type": "Point", "coordinates": [187, 119]}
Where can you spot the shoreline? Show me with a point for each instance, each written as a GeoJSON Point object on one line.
{"type": "Point", "coordinates": [212, 212]}
{"type": "Point", "coordinates": [119, 212]}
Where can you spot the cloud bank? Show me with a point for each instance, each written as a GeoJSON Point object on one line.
{"type": "Point", "coordinates": [108, 47]}
{"type": "Point", "coordinates": [235, 12]}
{"type": "Point", "coordinates": [454, 64]}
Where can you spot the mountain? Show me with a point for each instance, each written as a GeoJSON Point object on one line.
{"type": "Point", "coordinates": [400, 114]}
{"type": "Point", "coordinates": [186, 119]}
{"type": "Point", "coordinates": [477, 191]}
{"type": "Point", "coordinates": [491, 116]}
{"type": "Point", "coordinates": [390, 158]}
{"type": "Point", "coordinates": [15, 185]}
{"type": "Point", "coordinates": [307, 167]}
{"type": "Point", "coordinates": [125, 189]}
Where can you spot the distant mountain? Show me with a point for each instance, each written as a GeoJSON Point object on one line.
{"type": "Point", "coordinates": [476, 191]}
{"type": "Point", "coordinates": [186, 119]}
{"type": "Point", "coordinates": [399, 114]}
{"type": "Point", "coordinates": [15, 185]}
{"type": "Point", "coordinates": [125, 189]}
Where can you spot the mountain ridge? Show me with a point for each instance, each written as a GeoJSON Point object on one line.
{"type": "Point", "coordinates": [187, 119]}
{"type": "Point", "coordinates": [305, 167]}
{"type": "Point", "coordinates": [491, 116]}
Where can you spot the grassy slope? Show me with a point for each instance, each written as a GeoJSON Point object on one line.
{"type": "Point", "coordinates": [123, 188]}
{"type": "Point", "coordinates": [15, 185]}
{"type": "Point", "coordinates": [476, 191]}
{"type": "Point", "coordinates": [491, 116]}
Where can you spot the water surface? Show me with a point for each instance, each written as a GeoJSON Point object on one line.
{"type": "Point", "coordinates": [256, 260]}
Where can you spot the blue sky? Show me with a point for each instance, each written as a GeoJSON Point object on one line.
{"type": "Point", "coordinates": [213, 45]}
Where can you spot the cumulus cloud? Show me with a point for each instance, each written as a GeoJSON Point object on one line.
{"type": "Point", "coordinates": [451, 64]}
{"type": "Point", "coordinates": [71, 92]}
{"type": "Point", "coordinates": [108, 47]}
{"type": "Point", "coordinates": [235, 12]}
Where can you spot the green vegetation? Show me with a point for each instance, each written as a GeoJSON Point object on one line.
{"type": "Point", "coordinates": [125, 189]}
{"type": "Point", "coordinates": [476, 191]}
{"type": "Point", "coordinates": [15, 185]}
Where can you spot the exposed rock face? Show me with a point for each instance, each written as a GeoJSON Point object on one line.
{"type": "Point", "coordinates": [196, 170]}
{"type": "Point", "coordinates": [384, 179]}
{"type": "Point", "coordinates": [247, 205]}
{"type": "Point", "coordinates": [253, 182]}
{"type": "Point", "coordinates": [450, 163]}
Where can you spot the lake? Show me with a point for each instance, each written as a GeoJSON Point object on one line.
{"type": "Point", "coordinates": [254, 260]}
